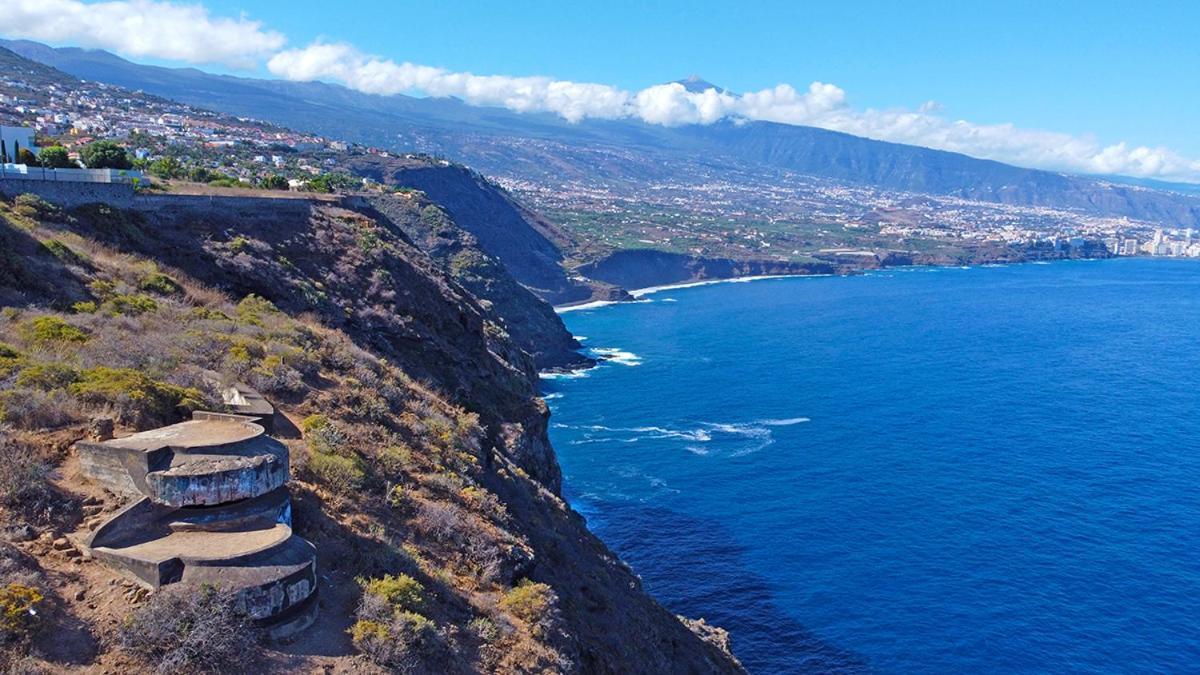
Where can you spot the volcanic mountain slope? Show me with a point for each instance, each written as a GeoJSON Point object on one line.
{"type": "Point", "coordinates": [546, 149]}
{"type": "Point", "coordinates": [418, 441]}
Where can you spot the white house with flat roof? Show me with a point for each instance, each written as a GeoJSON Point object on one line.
{"type": "Point", "coordinates": [17, 137]}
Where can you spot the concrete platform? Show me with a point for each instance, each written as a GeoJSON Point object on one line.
{"type": "Point", "coordinates": [158, 557]}
{"type": "Point", "coordinates": [212, 508]}
{"type": "Point", "coordinates": [212, 459]}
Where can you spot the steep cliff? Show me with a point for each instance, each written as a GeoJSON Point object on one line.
{"type": "Point", "coordinates": [530, 322]}
{"type": "Point", "coordinates": [529, 246]}
{"type": "Point", "coordinates": [420, 445]}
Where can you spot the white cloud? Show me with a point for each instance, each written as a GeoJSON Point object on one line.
{"type": "Point", "coordinates": [821, 105]}
{"type": "Point", "coordinates": [145, 28]}
{"type": "Point", "coordinates": [188, 32]}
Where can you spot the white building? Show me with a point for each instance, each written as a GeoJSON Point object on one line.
{"type": "Point", "coordinates": [17, 137]}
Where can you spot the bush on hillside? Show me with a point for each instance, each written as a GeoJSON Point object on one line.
{"type": "Point", "coordinates": [47, 376]}
{"type": "Point", "coordinates": [51, 330]}
{"type": "Point", "coordinates": [529, 601]}
{"type": "Point", "coordinates": [187, 629]}
{"type": "Point", "coordinates": [36, 409]}
{"type": "Point", "coordinates": [389, 631]}
{"type": "Point", "coordinates": [133, 304]}
{"type": "Point", "coordinates": [33, 206]}
{"type": "Point", "coordinates": [157, 282]}
{"type": "Point", "coordinates": [342, 475]}
{"type": "Point", "coordinates": [64, 253]}
{"type": "Point", "coordinates": [135, 397]}
{"type": "Point", "coordinates": [401, 591]}
{"type": "Point", "coordinates": [24, 477]}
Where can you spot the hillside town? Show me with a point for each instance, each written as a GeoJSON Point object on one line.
{"type": "Point", "coordinates": [775, 215]}
{"type": "Point", "coordinates": [165, 139]}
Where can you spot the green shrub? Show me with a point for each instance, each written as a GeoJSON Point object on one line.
{"type": "Point", "coordinates": [63, 252]}
{"type": "Point", "coordinates": [272, 375]}
{"type": "Point", "coordinates": [56, 157]}
{"type": "Point", "coordinates": [485, 629]}
{"type": "Point", "coordinates": [105, 155]}
{"type": "Point", "coordinates": [130, 305]}
{"type": "Point", "coordinates": [323, 436]}
{"type": "Point", "coordinates": [18, 610]}
{"type": "Point", "coordinates": [48, 330]}
{"type": "Point", "coordinates": [342, 475]}
{"type": "Point", "coordinates": [394, 460]}
{"type": "Point", "coordinates": [33, 206]}
{"type": "Point", "coordinates": [401, 591]}
{"type": "Point", "coordinates": [274, 182]}
{"type": "Point", "coordinates": [48, 376]}
{"type": "Point", "coordinates": [314, 423]}
{"type": "Point", "coordinates": [157, 282]}
{"type": "Point", "coordinates": [406, 643]}
{"type": "Point", "coordinates": [135, 394]}
{"type": "Point", "coordinates": [8, 351]}
{"type": "Point", "coordinates": [254, 309]}
{"type": "Point", "coordinates": [528, 601]}
{"type": "Point", "coordinates": [102, 289]}
{"type": "Point", "coordinates": [85, 307]}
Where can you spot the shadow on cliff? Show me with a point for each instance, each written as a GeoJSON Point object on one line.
{"type": "Point", "coordinates": [695, 568]}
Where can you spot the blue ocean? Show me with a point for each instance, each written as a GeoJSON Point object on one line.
{"type": "Point", "coordinates": [935, 470]}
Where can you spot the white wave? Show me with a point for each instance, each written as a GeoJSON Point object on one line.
{"type": "Point", "coordinates": [754, 448]}
{"type": "Point", "coordinates": [640, 292]}
{"type": "Point", "coordinates": [552, 396]}
{"type": "Point", "coordinates": [699, 435]}
{"type": "Point", "coordinates": [596, 305]}
{"type": "Point", "coordinates": [581, 338]}
{"type": "Point", "coordinates": [784, 422]}
{"type": "Point", "coordinates": [752, 429]}
{"type": "Point", "coordinates": [696, 450]}
{"type": "Point", "coordinates": [583, 306]}
{"type": "Point", "coordinates": [565, 375]}
{"type": "Point", "coordinates": [668, 300]}
{"type": "Point", "coordinates": [617, 356]}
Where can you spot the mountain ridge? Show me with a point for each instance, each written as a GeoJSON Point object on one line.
{"type": "Point", "coordinates": [471, 134]}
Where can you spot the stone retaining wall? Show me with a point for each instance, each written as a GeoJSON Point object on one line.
{"type": "Point", "coordinates": [70, 195]}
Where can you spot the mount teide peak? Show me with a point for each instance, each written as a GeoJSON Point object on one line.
{"type": "Point", "coordinates": [698, 85]}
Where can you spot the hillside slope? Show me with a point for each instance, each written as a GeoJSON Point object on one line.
{"type": "Point", "coordinates": [419, 441]}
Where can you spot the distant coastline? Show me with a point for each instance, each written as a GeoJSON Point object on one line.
{"type": "Point", "coordinates": [639, 293]}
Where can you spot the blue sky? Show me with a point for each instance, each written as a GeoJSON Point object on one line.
{"type": "Point", "coordinates": [1074, 80]}
{"type": "Point", "coordinates": [1118, 70]}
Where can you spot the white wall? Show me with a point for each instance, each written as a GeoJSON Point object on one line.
{"type": "Point", "coordinates": [22, 135]}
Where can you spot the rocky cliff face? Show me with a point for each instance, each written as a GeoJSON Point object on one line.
{"type": "Point", "coordinates": [644, 268]}
{"type": "Point", "coordinates": [529, 246]}
{"type": "Point", "coordinates": [425, 449]}
{"type": "Point", "coordinates": [531, 323]}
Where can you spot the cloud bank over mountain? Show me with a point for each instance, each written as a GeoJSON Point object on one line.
{"type": "Point", "coordinates": [191, 34]}
{"type": "Point", "coordinates": [143, 28]}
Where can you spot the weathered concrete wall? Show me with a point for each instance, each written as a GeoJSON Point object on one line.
{"type": "Point", "coordinates": [152, 201]}
{"type": "Point", "coordinates": [70, 195]}
{"type": "Point", "coordinates": [111, 467]}
{"type": "Point", "coordinates": [220, 482]}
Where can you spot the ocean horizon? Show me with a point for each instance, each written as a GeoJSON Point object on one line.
{"type": "Point", "coordinates": [915, 469]}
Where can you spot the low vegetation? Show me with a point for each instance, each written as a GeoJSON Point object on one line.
{"type": "Point", "coordinates": [397, 482]}
{"type": "Point", "coordinates": [186, 629]}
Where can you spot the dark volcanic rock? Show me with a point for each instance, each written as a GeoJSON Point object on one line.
{"type": "Point", "coordinates": [642, 268]}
